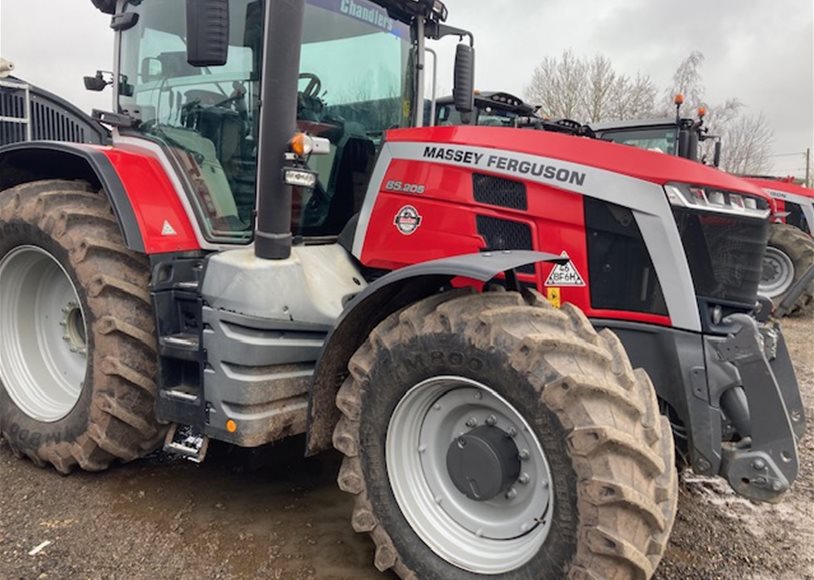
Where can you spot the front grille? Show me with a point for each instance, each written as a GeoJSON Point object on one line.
{"type": "Point", "coordinates": [502, 234]}
{"type": "Point", "coordinates": [499, 192]}
{"type": "Point", "coordinates": [725, 254]}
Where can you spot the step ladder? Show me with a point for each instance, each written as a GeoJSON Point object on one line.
{"type": "Point", "coordinates": [10, 112]}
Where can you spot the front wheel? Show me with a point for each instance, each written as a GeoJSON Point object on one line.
{"type": "Point", "coordinates": [487, 436]}
{"type": "Point", "coordinates": [789, 255]}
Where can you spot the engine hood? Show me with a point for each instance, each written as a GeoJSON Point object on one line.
{"type": "Point", "coordinates": [781, 185]}
{"type": "Point", "coordinates": [630, 161]}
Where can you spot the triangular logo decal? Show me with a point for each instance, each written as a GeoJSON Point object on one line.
{"type": "Point", "coordinates": [565, 274]}
{"type": "Point", "coordinates": [168, 230]}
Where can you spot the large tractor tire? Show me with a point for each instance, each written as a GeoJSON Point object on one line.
{"type": "Point", "coordinates": [487, 436]}
{"type": "Point", "coordinates": [77, 347]}
{"type": "Point", "coordinates": [789, 255]}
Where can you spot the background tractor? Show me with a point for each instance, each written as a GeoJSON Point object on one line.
{"type": "Point", "coordinates": [272, 245]}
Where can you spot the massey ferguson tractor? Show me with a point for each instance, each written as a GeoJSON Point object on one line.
{"type": "Point", "coordinates": [790, 252]}
{"type": "Point", "coordinates": [791, 248]}
{"type": "Point", "coordinates": [272, 245]}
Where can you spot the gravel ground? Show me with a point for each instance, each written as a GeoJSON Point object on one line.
{"type": "Point", "coordinates": [231, 518]}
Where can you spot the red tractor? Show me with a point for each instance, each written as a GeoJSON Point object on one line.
{"type": "Point", "coordinates": [790, 251]}
{"type": "Point", "coordinates": [272, 245]}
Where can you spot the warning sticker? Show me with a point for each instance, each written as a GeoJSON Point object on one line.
{"type": "Point", "coordinates": [553, 296]}
{"type": "Point", "coordinates": [565, 274]}
{"type": "Point", "coordinates": [168, 230]}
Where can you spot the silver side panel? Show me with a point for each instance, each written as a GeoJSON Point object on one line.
{"type": "Point", "coordinates": [312, 286]}
{"type": "Point", "coordinates": [647, 201]}
{"type": "Point", "coordinates": [265, 324]}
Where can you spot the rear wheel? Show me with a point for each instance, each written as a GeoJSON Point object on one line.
{"type": "Point", "coordinates": [487, 436]}
{"type": "Point", "coordinates": [789, 254]}
{"type": "Point", "coordinates": [77, 351]}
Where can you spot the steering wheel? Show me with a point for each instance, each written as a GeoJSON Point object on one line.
{"type": "Point", "coordinates": [314, 86]}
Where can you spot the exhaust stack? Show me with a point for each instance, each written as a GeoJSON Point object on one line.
{"type": "Point", "coordinates": [278, 121]}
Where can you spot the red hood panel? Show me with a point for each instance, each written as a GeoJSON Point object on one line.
{"type": "Point", "coordinates": [646, 165]}
{"type": "Point", "coordinates": [780, 185]}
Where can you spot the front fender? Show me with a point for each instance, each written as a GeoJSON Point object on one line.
{"type": "Point", "coordinates": [387, 295]}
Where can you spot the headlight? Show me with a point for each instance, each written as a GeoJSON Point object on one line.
{"type": "Point", "coordinates": [715, 200]}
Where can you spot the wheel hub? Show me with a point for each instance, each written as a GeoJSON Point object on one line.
{"type": "Point", "coordinates": [483, 463]}
{"type": "Point", "coordinates": [469, 475]}
{"type": "Point", "coordinates": [43, 337]}
{"type": "Point", "coordinates": [778, 273]}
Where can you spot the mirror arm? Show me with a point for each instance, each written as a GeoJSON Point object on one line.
{"type": "Point", "coordinates": [124, 21]}
{"type": "Point", "coordinates": [437, 31]}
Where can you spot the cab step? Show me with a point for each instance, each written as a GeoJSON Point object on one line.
{"type": "Point", "coordinates": [187, 442]}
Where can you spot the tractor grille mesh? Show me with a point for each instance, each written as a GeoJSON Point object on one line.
{"type": "Point", "coordinates": [500, 192]}
{"type": "Point", "coordinates": [725, 254]}
{"type": "Point", "coordinates": [506, 235]}
{"type": "Point", "coordinates": [52, 119]}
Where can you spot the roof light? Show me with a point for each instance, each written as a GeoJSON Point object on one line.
{"type": "Point", "coordinates": [717, 201]}
{"type": "Point", "coordinates": [679, 99]}
{"type": "Point", "coordinates": [702, 112]}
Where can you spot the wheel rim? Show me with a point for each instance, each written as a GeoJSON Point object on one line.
{"type": "Point", "coordinates": [43, 335]}
{"type": "Point", "coordinates": [778, 273]}
{"type": "Point", "coordinates": [491, 536]}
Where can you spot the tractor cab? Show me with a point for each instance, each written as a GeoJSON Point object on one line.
{"type": "Point", "coordinates": [357, 79]}
{"type": "Point", "coordinates": [492, 109]}
{"type": "Point", "coordinates": [679, 136]}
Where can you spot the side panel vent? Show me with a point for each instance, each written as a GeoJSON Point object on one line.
{"type": "Point", "coordinates": [499, 192]}
{"type": "Point", "coordinates": [502, 234]}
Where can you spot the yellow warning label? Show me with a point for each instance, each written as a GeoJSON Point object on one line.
{"type": "Point", "coordinates": [554, 297]}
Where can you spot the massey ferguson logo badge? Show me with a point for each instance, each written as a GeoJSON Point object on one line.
{"type": "Point", "coordinates": [407, 220]}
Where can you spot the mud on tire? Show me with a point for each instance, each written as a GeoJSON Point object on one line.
{"type": "Point", "coordinates": [113, 418]}
{"type": "Point", "coordinates": [799, 248]}
{"type": "Point", "coordinates": [610, 452]}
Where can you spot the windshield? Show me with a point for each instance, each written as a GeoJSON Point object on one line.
{"type": "Point", "coordinates": [353, 86]}
{"type": "Point", "coordinates": [662, 139]}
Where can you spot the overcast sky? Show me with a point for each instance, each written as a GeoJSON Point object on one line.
{"type": "Point", "coordinates": [760, 51]}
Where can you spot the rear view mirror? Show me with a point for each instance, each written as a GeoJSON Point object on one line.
{"type": "Point", "coordinates": [151, 70]}
{"type": "Point", "coordinates": [463, 93]}
{"type": "Point", "coordinates": [716, 158]}
{"type": "Point", "coordinates": [207, 32]}
{"type": "Point", "coordinates": [95, 84]}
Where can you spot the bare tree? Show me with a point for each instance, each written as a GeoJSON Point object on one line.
{"type": "Point", "coordinates": [589, 90]}
{"type": "Point", "coordinates": [557, 85]}
{"type": "Point", "coordinates": [747, 145]}
{"type": "Point", "coordinates": [746, 140]}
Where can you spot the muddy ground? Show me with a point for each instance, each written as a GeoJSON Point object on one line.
{"type": "Point", "coordinates": [232, 519]}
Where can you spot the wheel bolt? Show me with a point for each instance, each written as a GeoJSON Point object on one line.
{"type": "Point", "coordinates": [512, 432]}
{"type": "Point", "coordinates": [524, 478]}
{"type": "Point", "coordinates": [471, 422]}
{"type": "Point", "coordinates": [758, 465]}
{"type": "Point", "coordinates": [491, 420]}
{"type": "Point", "coordinates": [437, 407]}
{"type": "Point", "coordinates": [422, 448]}
{"type": "Point", "coordinates": [478, 395]}
{"type": "Point", "coordinates": [525, 527]}
{"type": "Point", "coordinates": [523, 455]}
{"type": "Point", "coordinates": [438, 499]}
{"type": "Point", "coordinates": [511, 494]}
{"type": "Point", "coordinates": [545, 484]}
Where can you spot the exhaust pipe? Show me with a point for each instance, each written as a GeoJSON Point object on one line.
{"type": "Point", "coordinates": [278, 122]}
